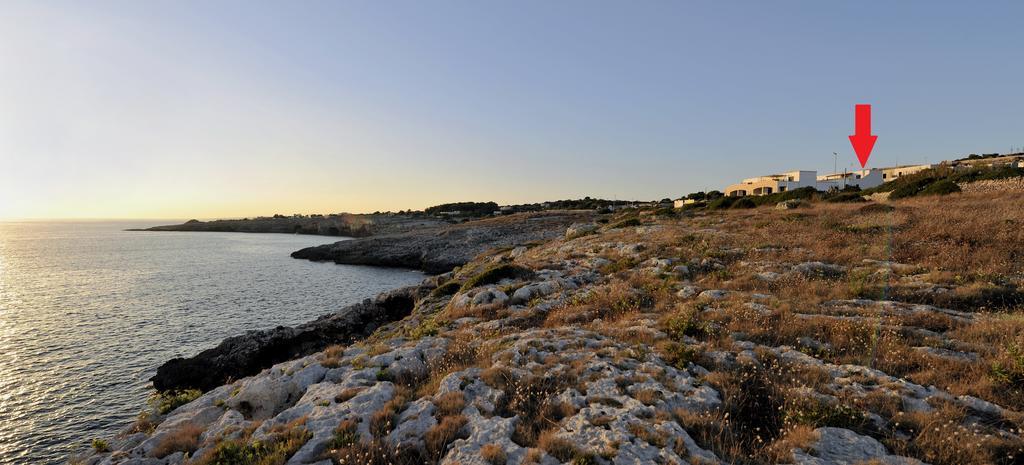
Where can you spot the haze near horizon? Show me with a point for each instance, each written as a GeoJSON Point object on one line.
{"type": "Point", "coordinates": [226, 109]}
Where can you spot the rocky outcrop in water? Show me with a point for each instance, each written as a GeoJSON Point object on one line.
{"type": "Point", "coordinates": [331, 225]}
{"type": "Point", "coordinates": [245, 355]}
{"type": "Point", "coordinates": [440, 249]}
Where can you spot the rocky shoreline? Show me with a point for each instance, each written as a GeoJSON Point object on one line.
{"type": "Point", "coordinates": [441, 249]}
{"type": "Point", "coordinates": [349, 225]}
{"type": "Point", "coordinates": [434, 250]}
{"type": "Point", "coordinates": [746, 336]}
{"type": "Point", "coordinates": [245, 355]}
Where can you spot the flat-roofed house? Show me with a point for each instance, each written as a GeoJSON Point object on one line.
{"type": "Point", "coordinates": [896, 172]}
{"type": "Point", "coordinates": [865, 179]}
{"type": "Point", "coordinates": [790, 180]}
{"type": "Point", "coordinates": [764, 185]}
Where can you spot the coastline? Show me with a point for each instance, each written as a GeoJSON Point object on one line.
{"type": "Point", "coordinates": [630, 337]}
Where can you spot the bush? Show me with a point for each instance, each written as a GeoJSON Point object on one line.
{"type": "Point", "coordinates": [721, 203]}
{"type": "Point", "coordinates": [803, 193]}
{"type": "Point", "coordinates": [100, 445]}
{"type": "Point", "coordinates": [497, 273]}
{"type": "Point", "coordinates": [166, 402]}
{"type": "Point", "coordinates": [911, 188]}
{"type": "Point", "coordinates": [942, 187]}
{"type": "Point", "coordinates": [1010, 368]}
{"type": "Point", "coordinates": [282, 442]}
{"type": "Point", "coordinates": [446, 289]}
{"type": "Point", "coordinates": [743, 202]}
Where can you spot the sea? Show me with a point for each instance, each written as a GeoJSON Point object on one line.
{"type": "Point", "coordinates": [88, 311]}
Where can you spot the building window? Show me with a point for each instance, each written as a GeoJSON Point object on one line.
{"type": "Point", "coordinates": [884, 175]}
{"type": "Point", "coordinates": [858, 176]}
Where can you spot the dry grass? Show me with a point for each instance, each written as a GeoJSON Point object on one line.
{"type": "Point", "coordinates": [331, 356]}
{"type": "Point", "coordinates": [796, 437]}
{"type": "Point", "coordinates": [384, 420]}
{"type": "Point", "coordinates": [647, 434]}
{"type": "Point", "coordinates": [940, 438]}
{"type": "Point", "coordinates": [184, 439]}
{"type": "Point", "coordinates": [450, 403]}
{"type": "Point", "coordinates": [493, 454]}
{"type": "Point", "coordinates": [614, 301]}
{"type": "Point", "coordinates": [648, 396]}
{"type": "Point", "coordinates": [557, 447]}
{"type": "Point", "coordinates": [348, 394]}
{"type": "Point", "coordinates": [440, 435]}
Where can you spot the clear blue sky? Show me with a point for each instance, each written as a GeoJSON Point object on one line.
{"type": "Point", "coordinates": [188, 108]}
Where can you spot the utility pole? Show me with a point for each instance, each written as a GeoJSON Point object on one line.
{"type": "Point", "coordinates": [835, 162]}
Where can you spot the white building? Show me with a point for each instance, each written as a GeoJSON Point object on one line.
{"type": "Point", "coordinates": [790, 180]}
{"type": "Point", "coordinates": [895, 172]}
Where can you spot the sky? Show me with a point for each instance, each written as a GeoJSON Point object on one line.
{"type": "Point", "coordinates": [206, 109]}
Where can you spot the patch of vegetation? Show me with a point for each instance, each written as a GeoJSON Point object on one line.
{"type": "Point", "coordinates": [429, 327]}
{"type": "Point", "coordinates": [678, 354]}
{"type": "Point", "coordinates": [817, 414]}
{"type": "Point", "coordinates": [721, 203]}
{"type": "Point", "coordinates": [468, 209]}
{"type": "Point", "coordinates": [743, 202]}
{"type": "Point", "coordinates": [345, 435]}
{"type": "Point", "coordinates": [446, 289]}
{"type": "Point", "coordinates": [496, 273]}
{"type": "Point", "coordinates": [621, 264]}
{"type": "Point", "coordinates": [99, 445]}
{"type": "Point", "coordinates": [626, 223]}
{"type": "Point", "coordinates": [688, 324]}
{"type": "Point", "coordinates": [987, 174]}
{"type": "Point", "coordinates": [877, 208]}
{"type": "Point", "coordinates": [803, 193]}
{"type": "Point", "coordinates": [166, 402]}
{"type": "Point", "coordinates": [1010, 369]}
{"type": "Point", "coordinates": [846, 197]}
{"type": "Point", "coordinates": [282, 442]}
{"type": "Point", "coordinates": [940, 187]}
{"type": "Point", "coordinates": [911, 188]}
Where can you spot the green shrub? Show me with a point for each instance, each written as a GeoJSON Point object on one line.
{"type": "Point", "coordinates": [911, 187]}
{"type": "Point", "coordinates": [743, 202]}
{"type": "Point", "coordinates": [100, 445]}
{"type": "Point", "coordinates": [687, 324]}
{"type": "Point", "coordinates": [941, 187]}
{"type": "Point", "coordinates": [497, 273]}
{"type": "Point", "coordinates": [721, 203]}
{"type": "Point", "coordinates": [984, 174]}
{"type": "Point", "coordinates": [1011, 370]}
{"type": "Point", "coordinates": [165, 402]}
{"type": "Point", "coordinates": [679, 355]}
{"type": "Point", "coordinates": [446, 289]}
{"type": "Point", "coordinates": [803, 193]}
{"type": "Point", "coordinates": [276, 449]}
{"type": "Point", "coordinates": [429, 327]}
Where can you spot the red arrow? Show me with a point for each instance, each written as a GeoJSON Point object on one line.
{"type": "Point", "coordinates": [863, 141]}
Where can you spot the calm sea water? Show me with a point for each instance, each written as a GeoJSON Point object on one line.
{"type": "Point", "coordinates": [88, 311]}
